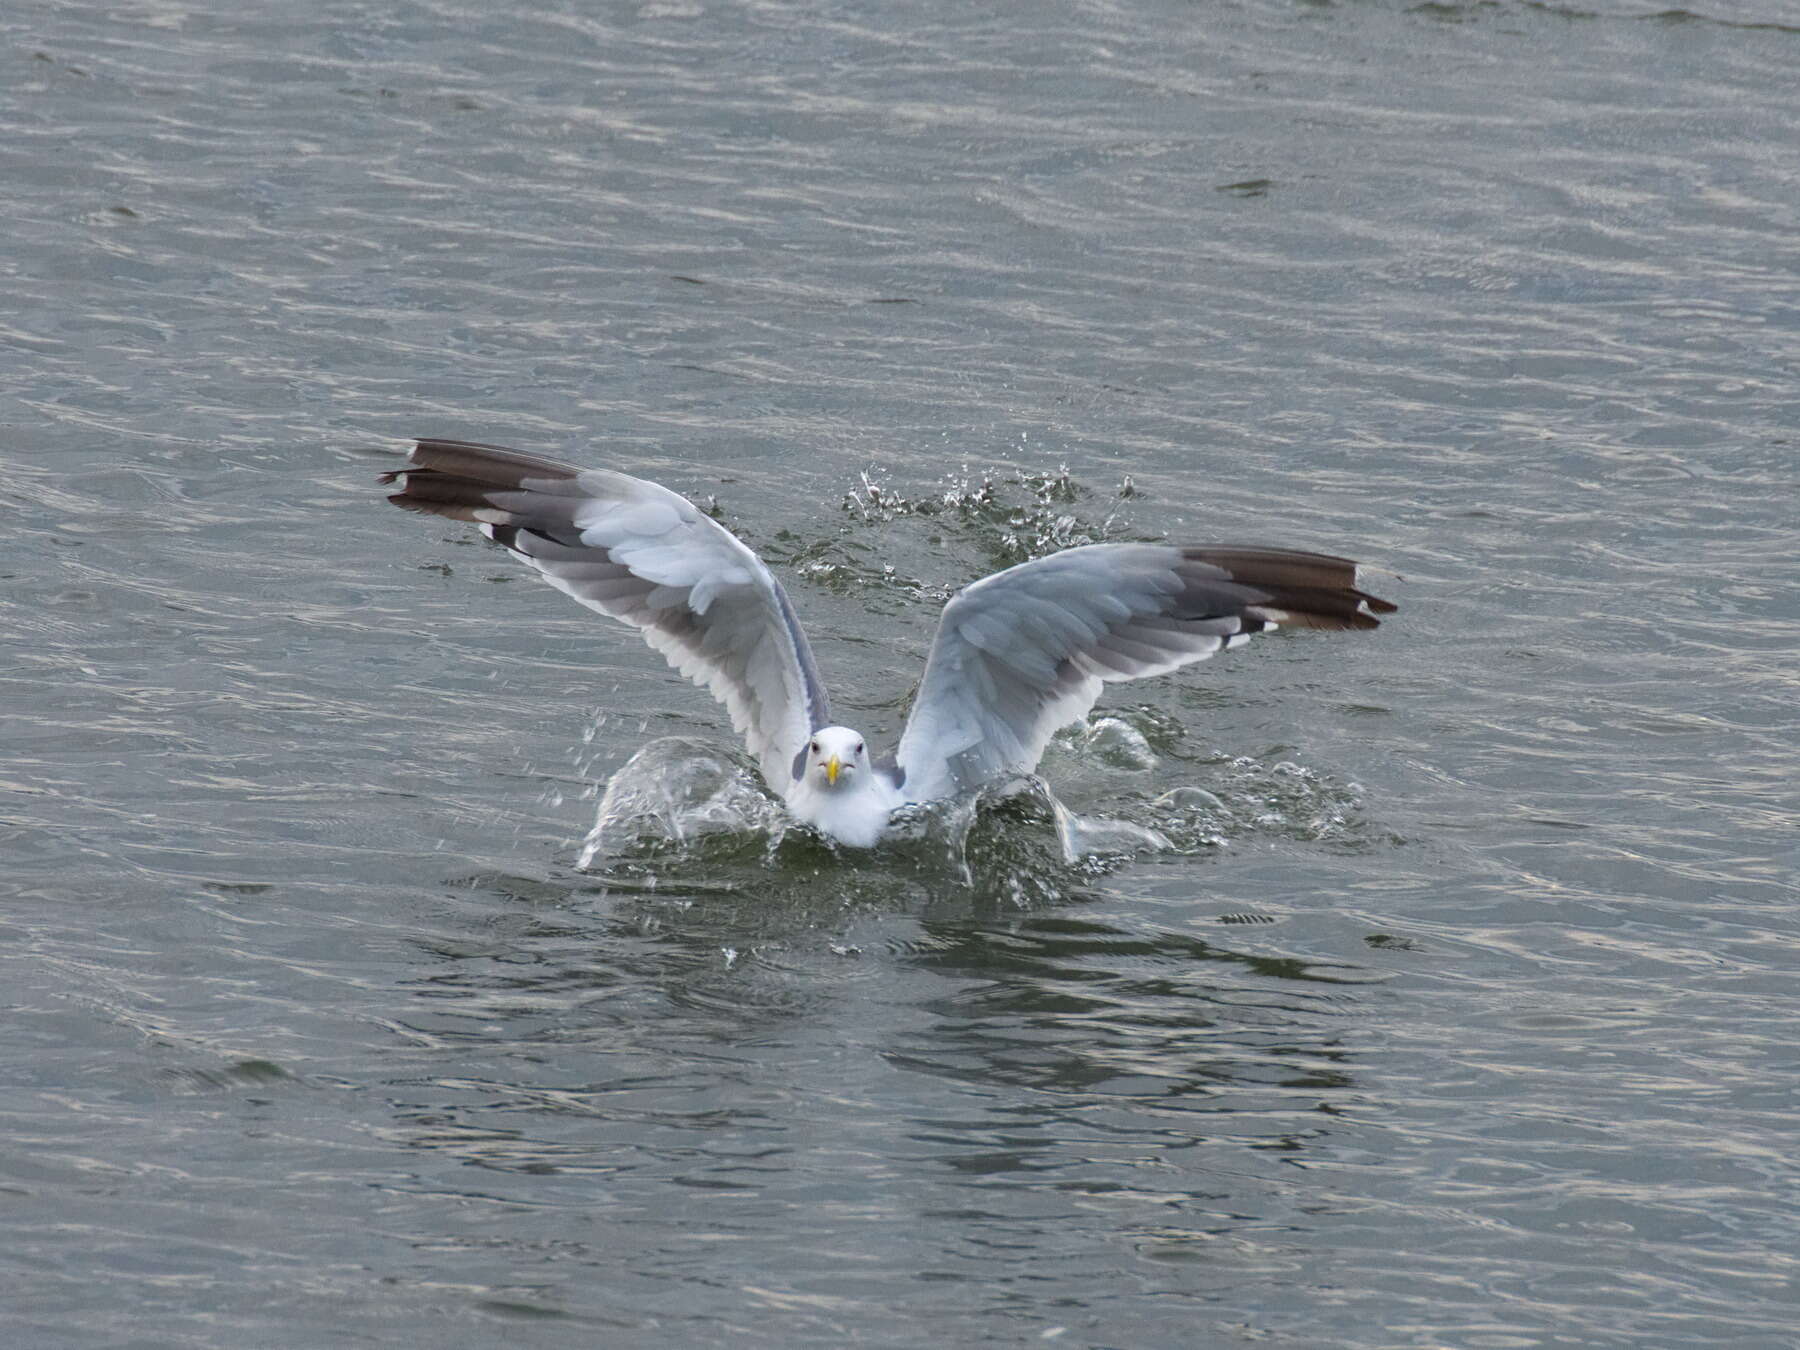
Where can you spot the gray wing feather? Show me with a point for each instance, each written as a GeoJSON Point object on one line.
{"type": "Point", "coordinates": [642, 554]}
{"type": "Point", "coordinates": [1025, 651]}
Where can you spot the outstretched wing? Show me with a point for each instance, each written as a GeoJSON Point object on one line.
{"type": "Point", "coordinates": [1025, 651]}
{"type": "Point", "coordinates": [641, 553]}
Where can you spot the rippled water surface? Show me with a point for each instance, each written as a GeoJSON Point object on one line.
{"type": "Point", "coordinates": [1459, 1009]}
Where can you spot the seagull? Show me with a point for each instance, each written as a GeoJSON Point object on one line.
{"type": "Point", "coordinates": [1017, 655]}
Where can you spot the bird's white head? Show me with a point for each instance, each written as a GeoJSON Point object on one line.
{"type": "Point", "coordinates": [837, 758]}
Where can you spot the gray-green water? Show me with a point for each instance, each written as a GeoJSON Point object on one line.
{"type": "Point", "coordinates": [1463, 1017]}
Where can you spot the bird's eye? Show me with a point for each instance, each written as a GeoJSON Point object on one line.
{"type": "Point", "coordinates": [859, 747]}
{"type": "Point", "coordinates": [815, 747]}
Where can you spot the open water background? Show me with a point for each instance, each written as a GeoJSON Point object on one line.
{"type": "Point", "coordinates": [1465, 1017]}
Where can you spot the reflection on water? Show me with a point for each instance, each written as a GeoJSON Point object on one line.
{"type": "Point", "coordinates": [1048, 1047]}
{"type": "Point", "coordinates": [1066, 1005]}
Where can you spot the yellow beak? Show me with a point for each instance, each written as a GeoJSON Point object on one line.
{"type": "Point", "coordinates": [833, 767]}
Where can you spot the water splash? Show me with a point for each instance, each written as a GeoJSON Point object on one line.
{"type": "Point", "coordinates": [1255, 798]}
{"type": "Point", "coordinates": [695, 816]}
{"type": "Point", "coordinates": [1111, 741]}
{"type": "Point", "coordinates": [1012, 516]}
{"type": "Point", "coordinates": [1092, 837]}
{"type": "Point", "coordinates": [1224, 797]}
{"type": "Point", "coordinates": [677, 791]}
{"type": "Point", "coordinates": [684, 815]}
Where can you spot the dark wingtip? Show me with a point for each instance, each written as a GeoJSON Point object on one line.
{"type": "Point", "coordinates": [1304, 590]}
{"type": "Point", "coordinates": [460, 479]}
{"type": "Point", "coordinates": [404, 502]}
{"type": "Point", "coordinates": [493, 465]}
{"type": "Point", "coordinates": [1294, 611]}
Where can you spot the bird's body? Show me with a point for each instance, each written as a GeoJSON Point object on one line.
{"type": "Point", "coordinates": [1017, 654]}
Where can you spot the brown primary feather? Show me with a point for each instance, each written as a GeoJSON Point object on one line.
{"type": "Point", "coordinates": [494, 465]}
{"type": "Point", "coordinates": [1300, 590]}
{"type": "Point", "coordinates": [457, 479]}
